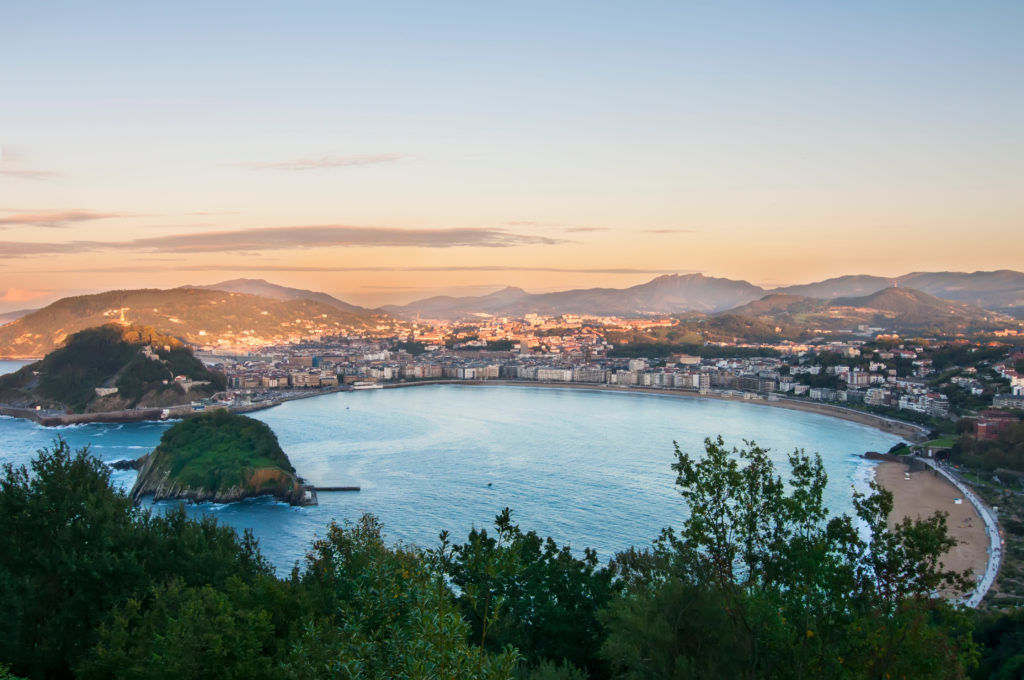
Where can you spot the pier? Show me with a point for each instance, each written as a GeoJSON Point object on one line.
{"type": "Point", "coordinates": [310, 492]}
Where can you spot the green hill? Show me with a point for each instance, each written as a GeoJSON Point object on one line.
{"type": "Point", "coordinates": [219, 457]}
{"type": "Point", "coordinates": [112, 368]}
{"type": "Point", "coordinates": [899, 309]}
{"type": "Point", "coordinates": [198, 317]}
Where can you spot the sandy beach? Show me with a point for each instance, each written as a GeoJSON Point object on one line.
{"type": "Point", "coordinates": [924, 493]}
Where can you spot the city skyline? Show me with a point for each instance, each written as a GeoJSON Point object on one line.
{"type": "Point", "coordinates": [383, 156]}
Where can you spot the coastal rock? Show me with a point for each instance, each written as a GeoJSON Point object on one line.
{"type": "Point", "coordinates": [221, 458]}
{"type": "Point", "coordinates": [128, 464]}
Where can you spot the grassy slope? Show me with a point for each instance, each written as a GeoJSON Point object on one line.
{"type": "Point", "coordinates": [219, 450]}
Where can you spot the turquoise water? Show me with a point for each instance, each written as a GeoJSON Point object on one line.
{"type": "Point", "coordinates": [589, 468]}
{"type": "Point", "coordinates": [11, 366]}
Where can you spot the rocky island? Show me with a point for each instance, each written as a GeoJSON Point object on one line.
{"type": "Point", "coordinates": [219, 457]}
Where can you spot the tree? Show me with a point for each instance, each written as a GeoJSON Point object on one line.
{"type": "Point", "coordinates": [786, 590]}
{"type": "Point", "coordinates": [67, 538]}
{"type": "Point", "coordinates": [379, 611]}
{"type": "Point", "coordinates": [520, 590]}
{"type": "Point", "coordinates": [73, 549]}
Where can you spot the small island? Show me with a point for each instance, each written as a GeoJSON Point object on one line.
{"type": "Point", "coordinates": [220, 457]}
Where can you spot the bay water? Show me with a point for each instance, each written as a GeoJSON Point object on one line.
{"type": "Point", "coordinates": [589, 468]}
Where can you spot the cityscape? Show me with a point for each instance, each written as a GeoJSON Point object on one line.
{"type": "Point", "coordinates": [511, 341]}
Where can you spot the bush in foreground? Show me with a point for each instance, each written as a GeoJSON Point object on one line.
{"type": "Point", "coordinates": [759, 582]}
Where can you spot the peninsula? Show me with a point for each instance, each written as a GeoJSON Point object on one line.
{"type": "Point", "coordinates": [114, 367]}
{"type": "Point", "coordinates": [219, 457]}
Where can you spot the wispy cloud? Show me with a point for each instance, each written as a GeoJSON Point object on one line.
{"type": "Point", "coordinates": [27, 174]}
{"type": "Point", "coordinates": [290, 238]}
{"type": "Point", "coordinates": [668, 231]}
{"type": "Point", "coordinates": [23, 295]}
{"type": "Point", "coordinates": [12, 249]}
{"type": "Point", "coordinates": [12, 165]}
{"type": "Point", "coordinates": [456, 268]}
{"type": "Point", "coordinates": [324, 162]}
{"type": "Point", "coordinates": [284, 238]}
{"type": "Point", "coordinates": [568, 228]}
{"type": "Point", "coordinates": [57, 218]}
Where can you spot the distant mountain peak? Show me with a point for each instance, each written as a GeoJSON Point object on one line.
{"type": "Point", "coordinates": [264, 288]}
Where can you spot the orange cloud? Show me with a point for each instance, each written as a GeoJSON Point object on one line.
{"type": "Point", "coordinates": [22, 295]}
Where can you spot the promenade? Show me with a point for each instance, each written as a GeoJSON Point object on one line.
{"type": "Point", "coordinates": [995, 548]}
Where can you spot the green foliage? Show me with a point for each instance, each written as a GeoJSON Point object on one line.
{"type": "Point", "coordinates": [780, 589]}
{"type": "Point", "coordinates": [549, 670]}
{"type": "Point", "coordinates": [820, 380]}
{"type": "Point", "coordinates": [72, 549]}
{"type": "Point", "coordinates": [94, 588]}
{"type": "Point", "coordinates": [759, 582]}
{"type": "Point", "coordinates": [500, 345]}
{"type": "Point", "coordinates": [218, 450]}
{"type": "Point", "coordinates": [964, 355]}
{"type": "Point", "coordinates": [1007, 451]}
{"type": "Point", "coordinates": [86, 361]}
{"type": "Point", "coordinates": [382, 612]}
{"type": "Point", "coordinates": [97, 357]}
{"type": "Point", "coordinates": [177, 631]}
{"type": "Point", "coordinates": [140, 375]}
{"type": "Point", "coordinates": [1001, 637]}
{"type": "Point", "coordinates": [519, 590]}
{"type": "Point", "coordinates": [413, 348]}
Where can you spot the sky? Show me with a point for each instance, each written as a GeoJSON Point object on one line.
{"type": "Point", "coordinates": [387, 151]}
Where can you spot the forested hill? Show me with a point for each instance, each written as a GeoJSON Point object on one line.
{"type": "Point", "coordinates": [199, 317]}
{"type": "Point", "coordinates": [133, 366]}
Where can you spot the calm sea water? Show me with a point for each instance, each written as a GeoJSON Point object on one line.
{"type": "Point", "coordinates": [11, 366]}
{"type": "Point", "coordinates": [588, 468]}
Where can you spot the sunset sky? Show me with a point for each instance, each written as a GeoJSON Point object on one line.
{"type": "Point", "coordinates": [386, 151]}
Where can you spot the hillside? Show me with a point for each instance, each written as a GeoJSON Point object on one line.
{"type": "Point", "coordinates": [196, 316]}
{"type": "Point", "coordinates": [891, 308]}
{"type": "Point", "coordinates": [273, 291]}
{"type": "Point", "coordinates": [663, 295]}
{"type": "Point", "coordinates": [218, 457]}
{"type": "Point", "coordinates": [1001, 290]}
{"type": "Point", "coordinates": [8, 317]}
{"type": "Point", "coordinates": [680, 293]}
{"type": "Point", "coordinates": [448, 307]}
{"type": "Point", "coordinates": [131, 366]}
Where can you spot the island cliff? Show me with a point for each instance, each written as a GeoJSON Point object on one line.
{"type": "Point", "coordinates": [222, 458]}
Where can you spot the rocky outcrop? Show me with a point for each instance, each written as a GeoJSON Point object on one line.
{"type": "Point", "coordinates": [222, 458]}
{"type": "Point", "coordinates": [155, 480]}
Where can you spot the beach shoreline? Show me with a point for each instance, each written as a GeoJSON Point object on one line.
{"type": "Point", "coordinates": [919, 491]}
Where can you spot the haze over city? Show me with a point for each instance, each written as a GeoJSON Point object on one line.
{"type": "Point", "coordinates": [383, 154]}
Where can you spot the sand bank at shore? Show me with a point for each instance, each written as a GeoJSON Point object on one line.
{"type": "Point", "coordinates": [924, 493]}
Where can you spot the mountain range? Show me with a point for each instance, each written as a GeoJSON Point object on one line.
{"type": "Point", "coordinates": [1001, 291]}
{"type": "Point", "coordinates": [231, 311]}
{"type": "Point", "coordinates": [891, 308]}
{"type": "Point", "coordinates": [266, 289]}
